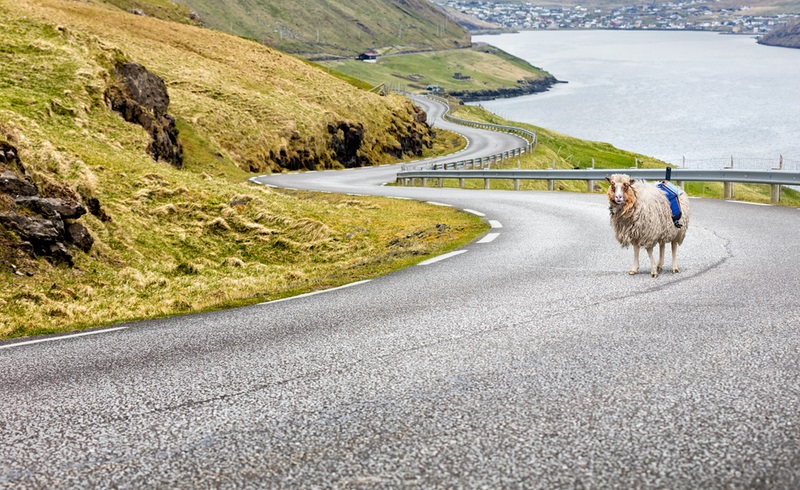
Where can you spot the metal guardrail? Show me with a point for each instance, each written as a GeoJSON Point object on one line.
{"type": "Point", "coordinates": [528, 136]}
{"type": "Point", "coordinates": [775, 178]}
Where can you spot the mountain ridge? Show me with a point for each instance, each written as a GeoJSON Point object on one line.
{"type": "Point", "coordinates": [324, 29]}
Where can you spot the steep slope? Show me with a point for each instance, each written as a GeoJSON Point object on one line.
{"type": "Point", "coordinates": [166, 240]}
{"type": "Point", "coordinates": [787, 36]}
{"type": "Point", "coordinates": [317, 29]}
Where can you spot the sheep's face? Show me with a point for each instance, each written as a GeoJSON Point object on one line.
{"type": "Point", "coordinates": [620, 189]}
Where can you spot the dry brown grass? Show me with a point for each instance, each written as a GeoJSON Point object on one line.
{"type": "Point", "coordinates": [200, 238]}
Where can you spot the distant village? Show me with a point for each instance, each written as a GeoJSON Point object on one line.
{"type": "Point", "coordinates": [690, 15]}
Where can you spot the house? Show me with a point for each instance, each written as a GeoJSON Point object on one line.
{"type": "Point", "coordinates": [368, 56]}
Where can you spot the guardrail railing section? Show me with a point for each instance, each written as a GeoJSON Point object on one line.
{"type": "Point", "coordinates": [728, 176]}
{"type": "Point", "coordinates": [477, 163]}
{"type": "Point", "coordinates": [771, 171]}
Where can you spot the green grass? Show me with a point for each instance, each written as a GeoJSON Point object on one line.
{"type": "Point", "coordinates": [487, 68]}
{"type": "Point", "coordinates": [313, 28]}
{"type": "Point", "coordinates": [200, 238]}
{"type": "Point", "coordinates": [562, 151]}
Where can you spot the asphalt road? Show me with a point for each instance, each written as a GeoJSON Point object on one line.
{"type": "Point", "coordinates": [532, 360]}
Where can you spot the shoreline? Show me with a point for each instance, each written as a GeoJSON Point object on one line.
{"type": "Point", "coordinates": [527, 88]}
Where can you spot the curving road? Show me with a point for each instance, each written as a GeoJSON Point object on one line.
{"type": "Point", "coordinates": [530, 359]}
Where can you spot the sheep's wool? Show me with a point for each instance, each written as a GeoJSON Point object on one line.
{"type": "Point", "coordinates": [645, 219]}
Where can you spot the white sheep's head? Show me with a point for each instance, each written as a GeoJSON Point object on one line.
{"type": "Point", "coordinates": [620, 190]}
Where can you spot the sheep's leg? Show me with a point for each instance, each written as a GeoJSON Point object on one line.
{"type": "Point", "coordinates": [661, 247]}
{"type": "Point", "coordinates": [675, 257]}
{"type": "Point", "coordinates": [653, 266]}
{"type": "Point", "coordinates": [635, 268]}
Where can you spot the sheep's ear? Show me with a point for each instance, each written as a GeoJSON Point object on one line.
{"type": "Point", "coordinates": [608, 179]}
{"type": "Point", "coordinates": [633, 181]}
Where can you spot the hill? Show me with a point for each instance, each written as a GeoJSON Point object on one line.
{"type": "Point", "coordinates": [787, 36]}
{"type": "Point", "coordinates": [478, 73]}
{"type": "Point", "coordinates": [103, 220]}
{"type": "Point", "coordinates": [321, 29]}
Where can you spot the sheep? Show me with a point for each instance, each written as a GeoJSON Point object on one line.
{"type": "Point", "coordinates": [641, 216]}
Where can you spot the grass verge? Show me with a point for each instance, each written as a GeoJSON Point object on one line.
{"type": "Point", "coordinates": [557, 150]}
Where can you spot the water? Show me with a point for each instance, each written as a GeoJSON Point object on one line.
{"type": "Point", "coordinates": [664, 94]}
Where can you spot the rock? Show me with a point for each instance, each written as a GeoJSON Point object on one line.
{"type": "Point", "coordinates": [58, 253]}
{"type": "Point", "coordinates": [141, 98]}
{"type": "Point", "coordinates": [15, 186]}
{"type": "Point", "coordinates": [44, 235]}
{"type": "Point", "coordinates": [97, 210]}
{"type": "Point", "coordinates": [195, 17]}
{"type": "Point", "coordinates": [38, 222]}
{"type": "Point", "coordinates": [8, 154]}
{"type": "Point", "coordinates": [52, 207]}
{"type": "Point", "coordinates": [78, 235]}
{"type": "Point", "coordinates": [35, 229]}
{"type": "Point", "coordinates": [346, 139]}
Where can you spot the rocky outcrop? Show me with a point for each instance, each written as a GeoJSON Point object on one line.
{"type": "Point", "coordinates": [346, 139]}
{"type": "Point", "coordinates": [141, 98]}
{"type": "Point", "coordinates": [786, 36]}
{"type": "Point", "coordinates": [414, 135]}
{"type": "Point", "coordinates": [43, 226]}
{"type": "Point", "coordinates": [524, 87]}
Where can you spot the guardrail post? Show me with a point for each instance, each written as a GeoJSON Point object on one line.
{"type": "Point", "coordinates": [551, 184]}
{"type": "Point", "coordinates": [590, 186]}
{"type": "Point", "coordinates": [728, 190]}
{"type": "Point", "coordinates": [439, 182]}
{"type": "Point", "coordinates": [487, 183]}
{"type": "Point", "coordinates": [424, 182]}
{"type": "Point", "coordinates": [461, 183]}
{"type": "Point", "coordinates": [775, 193]}
{"type": "Point", "coordinates": [516, 184]}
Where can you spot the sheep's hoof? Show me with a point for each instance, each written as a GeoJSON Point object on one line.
{"type": "Point", "coordinates": [659, 268]}
{"type": "Point", "coordinates": [633, 272]}
{"type": "Point", "coordinates": [675, 270]}
{"type": "Point", "coordinates": [654, 274]}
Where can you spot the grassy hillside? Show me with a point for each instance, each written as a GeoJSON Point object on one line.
{"type": "Point", "coordinates": [482, 68]}
{"type": "Point", "coordinates": [175, 241]}
{"type": "Point", "coordinates": [323, 28]}
{"type": "Point", "coordinates": [787, 36]}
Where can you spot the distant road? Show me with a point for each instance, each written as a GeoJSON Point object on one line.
{"type": "Point", "coordinates": [529, 359]}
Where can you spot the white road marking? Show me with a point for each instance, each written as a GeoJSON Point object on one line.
{"type": "Point", "coordinates": [476, 213]}
{"type": "Point", "coordinates": [488, 238]}
{"type": "Point", "coordinates": [751, 203]}
{"type": "Point", "coordinates": [442, 257]}
{"type": "Point", "coordinates": [399, 197]}
{"type": "Point", "coordinates": [495, 224]}
{"type": "Point", "coordinates": [439, 204]}
{"type": "Point", "coordinates": [62, 337]}
{"type": "Point", "coordinates": [312, 293]}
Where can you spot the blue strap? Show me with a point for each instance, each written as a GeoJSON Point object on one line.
{"type": "Point", "coordinates": [672, 192]}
